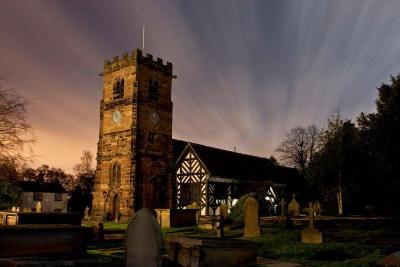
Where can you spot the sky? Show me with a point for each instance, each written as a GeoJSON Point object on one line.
{"type": "Point", "coordinates": [247, 71]}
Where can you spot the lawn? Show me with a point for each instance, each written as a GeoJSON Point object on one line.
{"type": "Point", "coordinates": [345, 244]}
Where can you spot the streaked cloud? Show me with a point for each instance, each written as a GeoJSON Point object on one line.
{"type": "Point", "coordinates": [248, 71]}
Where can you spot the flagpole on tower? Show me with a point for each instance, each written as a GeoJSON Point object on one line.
{"type": "Point", "coordinates": [143, 38]}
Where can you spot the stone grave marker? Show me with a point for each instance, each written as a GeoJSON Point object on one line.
{"type": "Point", "coordinates": [251, 222]}
{"type": "Point", "coordinates": [86, 217]}
{"type": "Point", "coordinates": [18, 209]}
{"type": "Point", "coordinates": [311, 234]}
{"type": "Point", "coordinates": [143, 241]}
{"type": "Point", "coordinates": [281, 218]}
{"type": "Point", "coordinates": [294, 207]}
{"type": "Point", "coordinates": [14, 209]}
{"type": "Point", "coordinates": [38, 206]}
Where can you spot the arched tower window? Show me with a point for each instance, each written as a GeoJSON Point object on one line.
{"type": "Point", "coordinates": [118, 88]}
{"type": "Point", "coordinates": [115, 174]}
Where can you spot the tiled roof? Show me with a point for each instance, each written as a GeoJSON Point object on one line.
{"type": "Point", "coordinates": [31, 186]}
{"type": "Point", "coordinates": [233, 165]}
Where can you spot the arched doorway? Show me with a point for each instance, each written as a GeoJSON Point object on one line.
{"type": "Point", "coordinates": [114, 213]}
{"type": "Point", "coordinates": [113, 206]}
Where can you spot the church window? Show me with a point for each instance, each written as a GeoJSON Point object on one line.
{"type": "Point", "coordinates": [37, 196]}
{"type": "Point", "coordinates": [154, 90]}
{"type": "Point", "coordinates": [151, 138]}
{"type": "Point", "coordinates": [115, 174]}
{"type": "Point", "coordinates": [118, 88]}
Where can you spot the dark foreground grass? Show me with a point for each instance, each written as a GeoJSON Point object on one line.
{"type": "Point", "coordinates": [347, 244]}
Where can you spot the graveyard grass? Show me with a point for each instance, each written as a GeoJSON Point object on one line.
{"type": "Point", "coordinates": [345, 244]}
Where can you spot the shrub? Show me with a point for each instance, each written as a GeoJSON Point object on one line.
{"type": "Point", "coordinates": [237, 212]}
{"type": "Point", "coordinates": [9, 194]}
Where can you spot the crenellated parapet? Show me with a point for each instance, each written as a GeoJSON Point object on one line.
{"type": "Point", "coordinates": [136, 57]}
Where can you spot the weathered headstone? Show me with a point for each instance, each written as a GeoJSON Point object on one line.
{"type": "Point", "coordinates": [18, 209]}
{"type": "Point", "coordinates": [14, 209]}
{"type": "Point", "coordinates": [282, 204]}
{"type": "Point", "coordinates": [143, 241]}
{"type": "Point", "coordinates": [38, 206]}
{"type": "Point", "coordinates": [281, 218]}
{"type": "Point", "coordinates": [311, 234]}
{"type": "Point", "coordinates": [294, 207]}
{"type": "Point", "coordinates": [86, 213]}
{"type": "Point", "coordinates": [251, 222]}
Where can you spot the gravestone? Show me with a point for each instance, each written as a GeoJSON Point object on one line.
{"type": "Point", "coordinates": [251, 222]}
{"type": "Point", "coordinates": [143, 241]}
{"type": "Point", "coordinates": [14, 209]}
{"type": "Point", "coordinates": [281, 218]}
{"type": "Point", "coordinates": [311, 235]}
{"type": "Point", "coordinates": [17, 209]}
{"type": "Point", "coordinates": [294, 207]}
{"type": "Point", "coordinates": [38, 206]}
{"type": "Point", "coordinates": [86, 217]}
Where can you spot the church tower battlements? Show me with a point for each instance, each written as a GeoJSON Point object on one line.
{"type": "Point", "coordinates": [134, 154]}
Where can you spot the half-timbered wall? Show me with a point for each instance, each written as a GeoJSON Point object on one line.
{"type": "Point", "coordinates": [192, 179]}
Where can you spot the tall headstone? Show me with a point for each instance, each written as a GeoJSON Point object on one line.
{"type": "Point", "coordinates": [251, 222]}
{"type": "Point", "coordinates": [38, 206]}
{"type": "Point", "coordinates": [282, 204]}
{"type": "Point", "coordinates": [86, 213]}
{"type": "Point", "coordinates": [143, 241]}
{"type": "Point", "coordinates": [294, 207]}
{"type": "Point", "coordinates": [311, 234]}
{"type": "Point", "coordinates": [281, 218]}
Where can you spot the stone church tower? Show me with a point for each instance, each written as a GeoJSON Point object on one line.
{"type": "Point", "coordinates": [134, 155]}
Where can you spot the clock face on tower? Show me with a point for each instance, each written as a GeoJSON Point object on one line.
{"type": "Point", "coordinates": [117, 116]}
{"type": "Point", "coordinates": [154, 117]}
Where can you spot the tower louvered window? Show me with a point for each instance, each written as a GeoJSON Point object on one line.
{"type": "Point", "coordinates": [118, 88]}
{"type": "Point", "coordinates": [154, 90]}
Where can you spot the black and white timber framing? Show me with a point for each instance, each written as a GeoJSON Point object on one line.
{"type": "Point", "coordinates": [210, 176]}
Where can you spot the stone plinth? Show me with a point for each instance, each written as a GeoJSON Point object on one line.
{"type": "Point", "coordinates": [311, 235]}
{"type": "Point", "coordinates": [36, 240]}
{"type": "Point", "coordinates": [198, 252]}
{"type": "Point", "coordinates": [176, 217]}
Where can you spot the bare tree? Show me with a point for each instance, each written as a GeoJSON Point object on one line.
{"type": "Point", "coordinates": [299, 147]}
{"type": "Point", "coordinates": [15, 132]}
{"type": "Point", "coordinates": [85, 166]}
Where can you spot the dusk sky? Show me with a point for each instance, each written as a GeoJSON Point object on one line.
{"type": "Point", "coordinates": [248, 71]}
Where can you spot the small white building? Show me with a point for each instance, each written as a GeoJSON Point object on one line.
{"type": "Point", "coordinates": [52, 196]}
